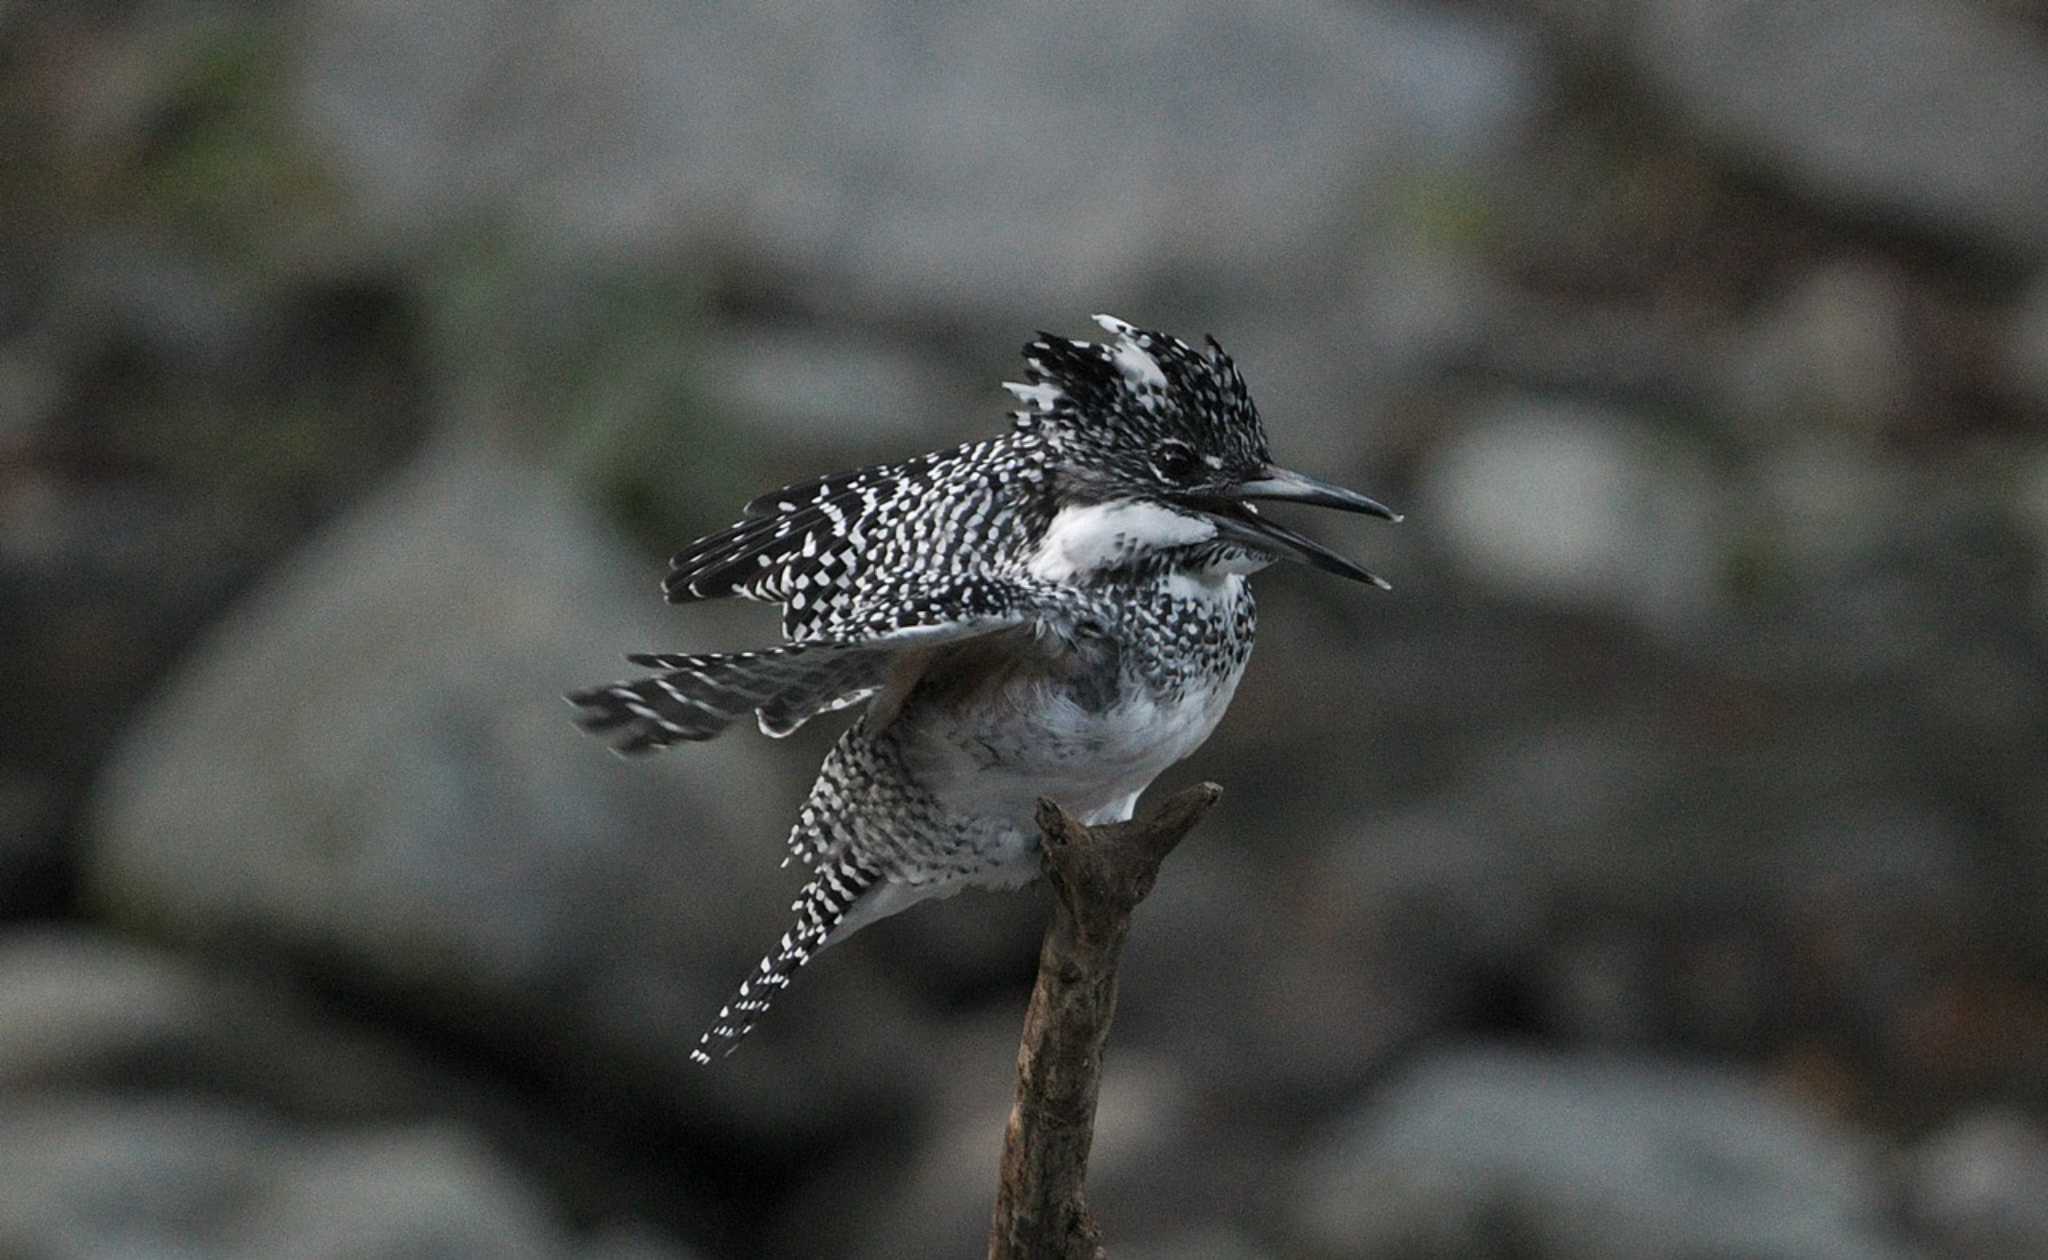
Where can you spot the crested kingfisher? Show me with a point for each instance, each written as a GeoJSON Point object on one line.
{"type": "Point", "coordinates": [1061, 611]}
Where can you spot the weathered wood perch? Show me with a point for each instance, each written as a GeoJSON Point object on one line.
{"type": "Point", "coordinates": [1098, 877]}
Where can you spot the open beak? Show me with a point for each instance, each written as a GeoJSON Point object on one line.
{"type": "Point", "coordinates": [1279, 483]}
{"type": "Point", "coordinates": [1240, 522]}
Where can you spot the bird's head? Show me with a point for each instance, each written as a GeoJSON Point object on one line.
{"type": "Point", "coordinates": [1159, 447]}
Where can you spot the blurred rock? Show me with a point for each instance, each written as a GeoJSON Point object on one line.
{"type": "Point", "coordinates": [1296, 966]}
{"type": "Point", "coordinates": [2030, 494]}
{"type": "Point", "coordinates": [30, 388]}
{"type": "Point", "coordinates": [369, 768]}
{"type": "Point", "coordinates": [793, 385]}
{"type": "Point", "coordinates": [87, 1016]}
{"type": "Point", "coordinates": [398, 1193]}
{"type": "Point", "coordinates": [1827, 502]}
{"type": "Point", "coordinates": [1914, 111]}
{"type": "Point", "coordinates": [32, 856]}
{"type": "Point", "coordinates": [1877, 872]}
{"type": "Point", "coordinates": [72, 1007]}
{"type": "Point", "coordinates": [964, 175]}
{"type": "Point", "coordinates": [93, 1177]}
{"type": "Point", "coordinates": [1569, 504]}
{"type": "Point", "coordinates": [172, 427]}
{"type": "Point", "coordinates": [1980, 1187]}
{"type": "Point", "coordinates": [934, 1197]}
{"type": "Point", "coordinates": [81, 1010]}
{"type": "Point", "coordinates": [2025, 354]}
{"type": "Point", "coordinates": [1223, 1242]}
{"type": "Point", "coordinates": [1494, 1152]}
{"type": "Point", "coordinates": [990, 162]}
{"type": "Point", "coordinates": [1832, 351]}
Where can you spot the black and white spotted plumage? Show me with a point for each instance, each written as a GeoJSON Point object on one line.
{"type": "Point", "coordinates": [826, 549]}
{"type": "Point", "coordinates": [1061, 611]}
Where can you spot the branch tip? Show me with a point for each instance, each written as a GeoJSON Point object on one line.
{"type": "Point", "coordinates": [1098, 874]}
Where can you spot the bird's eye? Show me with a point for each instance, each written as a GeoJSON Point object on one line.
{"type": "Point", "coordinates": [1175, 461]}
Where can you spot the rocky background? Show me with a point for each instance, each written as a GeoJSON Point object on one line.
{"type": "Point", "coordinates": [1657, 872]}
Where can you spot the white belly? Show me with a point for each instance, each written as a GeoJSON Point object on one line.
{"type": "Point", "coordinates": [1051, 741]}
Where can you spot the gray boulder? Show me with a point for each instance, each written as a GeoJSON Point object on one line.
{"type": "Point", "coordinates": [1926, 113]}
{"type": "Point", "coordinates": [1495, 1152]}
{"type": "Point", "coordinates": [909, 157]}
{"type": "Point", "coordinates": [1580, 506]}
{"type": "Point", "coordinates": [368, 768]}
{"type": "Point", "coordinates": [1979, 1186]}
{"type": "Point", "coordinates": [156, 1106]}
{"type": "Point", "coordinates": [101, 1176]}
{"type": "Point", "coordinates": [939, 174]}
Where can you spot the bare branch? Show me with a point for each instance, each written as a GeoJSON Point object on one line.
{"type": "Point", "coordinates": [1098, 877]}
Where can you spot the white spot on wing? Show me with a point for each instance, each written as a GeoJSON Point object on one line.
{"type": "Point", "coordinates": [1043, 397]}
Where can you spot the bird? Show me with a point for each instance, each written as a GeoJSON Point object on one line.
{"type": "Point", "coordinates": [1058, 612]}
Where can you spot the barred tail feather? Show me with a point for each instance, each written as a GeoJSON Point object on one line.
{"type": "Point", "coordinates": [697, 697]}
{"type": "Point", "coordinates": [819, 908]}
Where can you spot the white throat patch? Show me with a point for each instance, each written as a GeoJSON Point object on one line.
{"type": "Point", "coordinates": [1086, 539]}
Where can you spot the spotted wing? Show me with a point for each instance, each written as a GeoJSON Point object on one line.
{"type": "Point", "coordinates": [697, 696]}
{"type": "Point", "coordinates": [817, 534]}
{"type": "Point", "coordinates": [800, 529]}
{"type": "Point", "coordinates": [835, 550]}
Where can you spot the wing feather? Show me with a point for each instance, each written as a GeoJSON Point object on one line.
{"type": "Point", "coordinates": [871, 653]}
{"type": "Point", "coordinates": [839, 553]}
{"type": "Point", "coordinates": [785, 532]}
